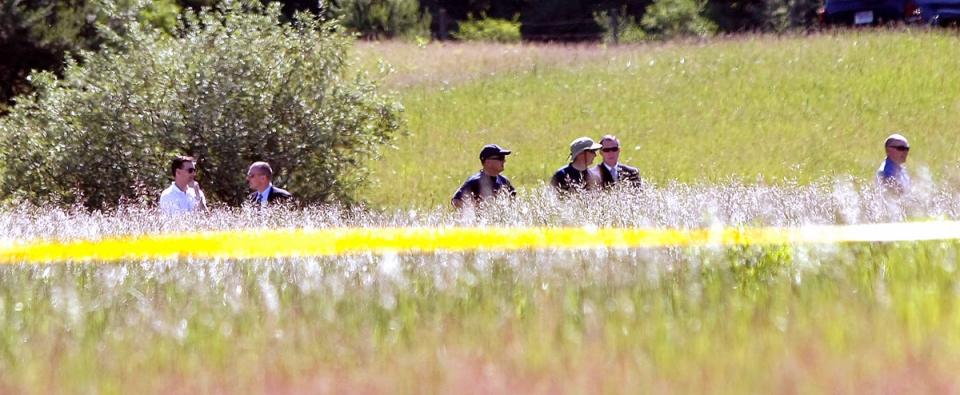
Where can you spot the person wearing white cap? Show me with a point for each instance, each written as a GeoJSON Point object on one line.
{"type": "Point", "coordinates": [575, 175]}
{"type": "Point", "coordinates": [892, 176]}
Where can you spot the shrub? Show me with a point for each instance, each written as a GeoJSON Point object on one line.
{"type": "Point", "coordinates": [378, 19]}
{"type": "Point", "coordinates": [782, 15]}
{"type": "Point", "coordinates": [37, 34]}
{"type": "Point", "coordinates": [628, 30]}
{"type": "Point", "coordinates": [234, 85]}
{"type": "Point", "coordinates": [489, 29]}
{"type": "Point", "coordinates": [671, 18]}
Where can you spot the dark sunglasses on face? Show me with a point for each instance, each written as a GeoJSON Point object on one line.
{"type": "Point", "coordinates": [900, 148]}
{"type": "Point", "coordinates": [610, 149]}
{"type": "Point", "coordinates": [191, 170]}
{"type": "Point", "coordinates": [499, 158]}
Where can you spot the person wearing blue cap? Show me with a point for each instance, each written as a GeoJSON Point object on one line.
{"type": "Point", "coordinates": [892, 176]}
{"type": "Point", "coordinates": [577, 174]}
{"type": "Point", "coordinates": [488, 182]}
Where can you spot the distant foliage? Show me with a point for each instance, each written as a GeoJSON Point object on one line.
{"type": "Point", "coordinates": [673, 18]}
{"type": "Point", "coordinates": [37, 34]}
{"type": "Point", "coordinates": [628, 29]}
{"type": "Point", "coordinates": [783, 15]}
{"type": "Point", "coordinates": [560, 20]}
{"type": "Point", "coordinates": [233, 86]}
{"type": "Point", "coordinates": [379, 19]}
{"type": "Point", "coordinates": [489, 29]}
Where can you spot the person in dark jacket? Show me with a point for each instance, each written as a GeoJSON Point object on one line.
{"type": "Point", "coordinates": [260, 180]}
{"type": "Point", "coordinates": [488, 182]}
{"type": "Point", "coordinates": [577, 175]}
{"type": "Point", "coordinates": [611, 171]}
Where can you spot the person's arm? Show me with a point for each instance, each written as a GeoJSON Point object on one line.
{"type": "Point", "coordinates": [288, 198]}
{"type": "Point", "coordinates": [457, 200]}
{"type": "Point", "coordinates": [557, 180]}
{"type": "Point", "coordinates": [633, 177]}
{"type": "Point", "coordinates": [201, 200]}
{"type": "Point", "coordinates": [593, 179]}
{"type": "Point", "coordinates": [885, 176]}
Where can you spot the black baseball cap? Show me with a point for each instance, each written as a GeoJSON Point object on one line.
{"type": "Point", "coordinates": [493, 150]}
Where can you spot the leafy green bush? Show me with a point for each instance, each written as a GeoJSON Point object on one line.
{"type": "Point", "coordinates": [233, 86]}
{"type": "Point", "coordinates": [782, 15]}
{"type": "Point", "coordinates": [672, 18]}
{"type": "Point", "coordinates": [378, 19]}
{"type": "Point", "coordinates": [628, 30]}
{"type": "Point", "coordinates": [489, 29]}
{"type": "Point", "coordinates": [37, 34]}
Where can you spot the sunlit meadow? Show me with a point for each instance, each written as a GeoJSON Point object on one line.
{"type": "Point", "coordinates": [760, 131]}
{"type": "Point", "coordinates": [752, 107]}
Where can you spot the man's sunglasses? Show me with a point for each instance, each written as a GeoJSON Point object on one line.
{"type": "Point", "coordinates": [610, 149]}
{"type": "Point", "coordinates": [191, 170]}
{"type": "Point", "coordinates": [500, 158]}
{"type": "Point", "coordinates": [900, 148]}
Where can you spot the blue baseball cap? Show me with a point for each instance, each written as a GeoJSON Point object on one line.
{"type": "Point", "coordinates": [493, 150]}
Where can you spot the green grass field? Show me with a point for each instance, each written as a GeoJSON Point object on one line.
{"type": "Point", "coordinates": [801, 114]}
{"type": "Point", "coordinates": [753, 108]}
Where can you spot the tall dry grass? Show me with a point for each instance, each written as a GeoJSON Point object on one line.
{"type": "Point", "coordinates": [794, 318]}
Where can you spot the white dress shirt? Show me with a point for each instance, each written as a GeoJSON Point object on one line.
{"type": "Point", "coordinates": [175, 201]}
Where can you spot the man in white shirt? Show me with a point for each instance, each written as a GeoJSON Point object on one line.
{"type": "Point", "coordinates": [183, 195]}
{"type": "Point", "coordinates": [611, 171]}
{"type": "Point", "coordinates": [260, 180]}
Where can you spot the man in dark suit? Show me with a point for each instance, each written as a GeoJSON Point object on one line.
{"type": "Point", "coordinates": [611, 171]}
{"type": "Point", "coordinates": [260, 180]}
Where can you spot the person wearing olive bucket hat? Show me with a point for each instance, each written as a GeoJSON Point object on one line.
{"type": "Point", "coordinates": [576, 176]}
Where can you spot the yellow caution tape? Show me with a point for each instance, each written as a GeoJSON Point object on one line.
{"type": "Point", "coordinates": [254, 243]}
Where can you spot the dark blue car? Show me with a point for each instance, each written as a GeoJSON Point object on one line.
{"type": "Point", "coordinates": [939, 12]}
{"type": "Point", "coordinates": [867, 12]}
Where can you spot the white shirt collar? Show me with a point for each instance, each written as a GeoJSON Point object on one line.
{"type": "Point", "coordinates": [176, 188]}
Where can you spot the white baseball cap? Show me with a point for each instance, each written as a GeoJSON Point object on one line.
{"type": "Point", "coordinates": [896, 137]}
